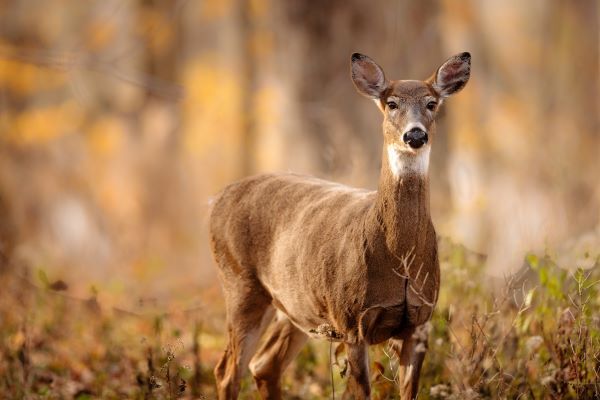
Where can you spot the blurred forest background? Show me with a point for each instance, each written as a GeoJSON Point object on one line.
{"type": "Point", "coordinates": [120, 119]}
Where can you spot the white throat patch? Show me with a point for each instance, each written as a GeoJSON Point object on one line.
{"type": "Point", "coordinates": [408, 164]}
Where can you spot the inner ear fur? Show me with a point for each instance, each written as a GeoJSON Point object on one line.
{"type": "Point", "coordinates": [452, 75]}
{"type": "Point", "coordinates": [368, 77]}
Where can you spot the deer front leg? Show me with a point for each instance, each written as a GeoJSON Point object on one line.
{"type": "Point", "coordinates": [411, 353]}
{"type": "Point", "coordinates": [358, 387]}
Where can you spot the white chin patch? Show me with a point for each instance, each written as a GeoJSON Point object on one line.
{"type": "Point", "coordinates": [405, 163]}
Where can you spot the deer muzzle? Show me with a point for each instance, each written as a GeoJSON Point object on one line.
{"type": "Point", "coordinates": [415, 138]}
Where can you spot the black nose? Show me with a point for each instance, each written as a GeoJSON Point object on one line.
{"type": "Point", "coordinates": [415, 138]}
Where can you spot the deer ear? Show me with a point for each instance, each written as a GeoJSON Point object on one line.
{"type": "Point", "coordinates": [367, 76]}
{"type": "Point", "coordinates": [452, 76]}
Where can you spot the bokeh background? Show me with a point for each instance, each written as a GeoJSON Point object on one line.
{"type": "Point", "coordinates": [120, 119]}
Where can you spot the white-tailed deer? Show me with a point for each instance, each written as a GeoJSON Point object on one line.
{"type": "Point", "coordinates": [315, 258]}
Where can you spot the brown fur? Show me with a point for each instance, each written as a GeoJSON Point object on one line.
{"type": "Point", "coordinates": [353, 265]}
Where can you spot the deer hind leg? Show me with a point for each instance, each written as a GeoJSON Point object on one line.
{"type": "Point", "coordinates": [358, 386]}
{"type": "Point", "coordinates": [248, 313]}
{"type": "Point", "coordinates": [411, 353]}
{"type": "Point", "coordinates": [282, 343]}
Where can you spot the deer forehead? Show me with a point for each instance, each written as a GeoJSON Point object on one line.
{"type": "Point", "coordinates": [408, 89]}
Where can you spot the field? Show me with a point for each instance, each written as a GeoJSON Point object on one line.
{"type": "Point", "coordinates": [534, 335]}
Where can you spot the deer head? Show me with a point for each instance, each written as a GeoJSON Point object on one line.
{"type": "Point", "coordinates": [409, 107]}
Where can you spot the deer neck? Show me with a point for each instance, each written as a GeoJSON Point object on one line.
{"type": "Point", "coordinates": [402, 204]}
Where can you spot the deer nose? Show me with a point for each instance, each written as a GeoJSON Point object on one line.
{"type": "Point", "coordinates": [415, 138]}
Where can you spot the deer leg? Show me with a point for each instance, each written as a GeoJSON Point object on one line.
{"type": "Point", "coordinates": [358, 386]}
{"type": "Point", "coordinates": [247, 316]}
{"type": "Point", "coordinates": [411, 353]}
{"type": "Point", "coordinates": [283, 342]}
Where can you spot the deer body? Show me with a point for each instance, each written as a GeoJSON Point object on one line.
{"type": "Point", "coordinates": [352, 265]}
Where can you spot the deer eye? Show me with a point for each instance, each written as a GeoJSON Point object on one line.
{"type": "Point", "coordinates": [431, 105]}
{"type": "Point", "coordinates": [392, 105]}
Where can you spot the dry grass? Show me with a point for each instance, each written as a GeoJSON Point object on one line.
{"type": "Point", "coordinates": [534, 336]}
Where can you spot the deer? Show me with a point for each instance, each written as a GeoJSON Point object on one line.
{"type": "Point", "coordinates": [299, 257]}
